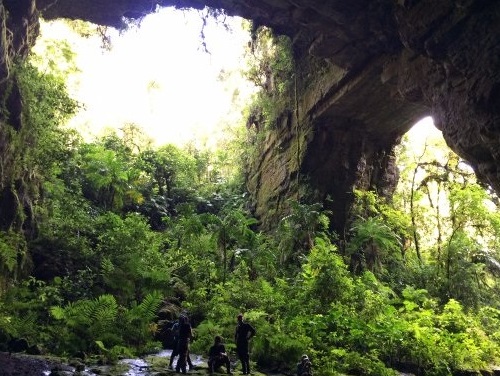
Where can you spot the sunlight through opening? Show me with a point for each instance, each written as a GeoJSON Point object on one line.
{"type": "Point", "coordinates": [158, 76]}
{"type": "Point", "coordinates": [424, 131]}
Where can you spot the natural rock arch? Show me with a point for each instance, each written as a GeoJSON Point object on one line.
{"type": "Point", "coordinates": [388, 63]}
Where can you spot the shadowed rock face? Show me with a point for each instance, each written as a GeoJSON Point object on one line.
{"type": "Point", "coordinates": [386, 64]}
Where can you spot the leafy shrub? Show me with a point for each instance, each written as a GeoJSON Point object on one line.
{"type": "Point", "coordinates": [85, 323]}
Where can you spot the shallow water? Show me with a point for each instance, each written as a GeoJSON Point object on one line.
{"type": "Point", "coordinates": [133, 367]}
{"type": "Point", "coordinates": [138, 367]}
{"type": "Point", "coordinates": [195, 359]}
{"type": "Point", "coordinates": [142, 367]}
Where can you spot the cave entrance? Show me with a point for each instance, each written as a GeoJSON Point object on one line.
{"type": "Point", "coordinates": [176, 74]}
{"type": "Point", "coordinates": [424, 148]}
{"type": "Point", "coordinates": [430, 170]}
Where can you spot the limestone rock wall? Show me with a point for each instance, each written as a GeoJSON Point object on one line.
{"type": "Point", "coordinates": [18, 32]}
{"type": "Point", "coordinates": [398, 62]}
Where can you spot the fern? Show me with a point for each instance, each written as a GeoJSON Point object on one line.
{"type": "Point", "coordinates": [101, 311]}
{"type": "Point", "coordinates": [24, 325]}
{"type": "Point", "coordinates": [11, 244]}
{"type": "Point", "coordinates": [104, 311]}
{"type": "Point", "coordinates": [147, 310]}
{"type": "Point", "coordinates": [101, 346]}
{"type": "Point", "coordinates": [113, 354]}
{"type": "Point", "coordinates": [107, 266]}
{"type": "Point", "coordinates": [58, 312]}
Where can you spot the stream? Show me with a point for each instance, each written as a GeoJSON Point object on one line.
{"type": "Point", "coordinates": [140, 367]}
{"type": "Point", "coordinates": [153, 364]}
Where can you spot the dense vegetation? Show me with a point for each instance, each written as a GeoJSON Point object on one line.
{"type": "Point", "coordinates": [122, 229]}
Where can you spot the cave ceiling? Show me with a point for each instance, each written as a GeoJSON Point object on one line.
{"type": "Point", "coordinates": [408, 58]}
{"type": "Point", "coordinates": [351, 31]}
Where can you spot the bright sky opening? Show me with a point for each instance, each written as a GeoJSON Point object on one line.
{"type": "Point", "coordinates": [158, 76]}
{"type": "Point", "coordinates": [422, 133]}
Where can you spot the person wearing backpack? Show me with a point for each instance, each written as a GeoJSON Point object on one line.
{"type": "Point", "coordinates": [184, 338]}
{"type": "Point", "coordinates": [175, 346]}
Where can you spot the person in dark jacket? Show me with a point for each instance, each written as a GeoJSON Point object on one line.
{"type": "Point", "coordinates": [304, 367]}
{"type": "Point", "coordinates": [175, 346]}
{"type": "Point", "coordinates": [244, 332]}
{"type": "Point", "coordinates": [185, 336]}
{"type": "Point", "coordinates": [217, 356]}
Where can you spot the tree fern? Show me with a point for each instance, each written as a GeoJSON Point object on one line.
{"type": "Point", "coordinates": [374, 240]}
{"type": "Point", "coordinates": [24, 325]}
{"type": "Point", "coordinates": [86, 321]}
{"type": "Point", "coordinates": [11, 245]}
{"type": "Point", "coordinates": [58, 312]}
{"type": "Point", "coordinates": [72, 314]}
{"type": "Point", "coordinates": [147, 310]}
{"type": "Point", "coordinates": [136, 324]}
{"type": "Point", "coordinates": [104, 311]}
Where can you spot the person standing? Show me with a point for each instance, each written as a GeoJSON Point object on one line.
{"type": "Point", "coordinates": [244, 332]}
{"type": "Point", "coordinates": [184, 337]}
{"type": "Point", "coordinates": [175, 346]}
{"type": "Point", "coordinates": [175, 343]}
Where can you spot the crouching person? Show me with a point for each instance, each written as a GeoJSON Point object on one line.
{"type": "Point", "coordinates": [217, 356]}
{"type": "Point", "coordinates": [304, 367]}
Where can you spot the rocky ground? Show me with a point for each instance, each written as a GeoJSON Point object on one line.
{"type": "Point", "coordinates": [157, 365]}
{"type": "Point", "coordinates": [27, 365]}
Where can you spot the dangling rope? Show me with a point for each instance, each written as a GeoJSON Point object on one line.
{"type": "Point", "coordinates": [297, 129]}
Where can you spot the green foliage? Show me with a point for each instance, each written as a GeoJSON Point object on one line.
{"type": "Point", "coordinates": [205, 334]}
{"type": "Point", "coordinates": [455, 227]}
{"type": "Point", "coordinates": [47, 107]}
{"type": "Point", "coordinates": [271, 68]}
{"type": "Point", "coordinates": [325, 276]}
{"type": "Point", "coordinates": [169, 167]}
{"type": "Point", "coordinates": [373, 244]}
{"type": "Point", "coordinates": [277, 349]}
{"type": "Point", "coordinates": [33, 140]}
{"type": "Point", "coordinates": [450, 339]}
{"type": "Point", "coordinates": [378, 240]}
{"type": "Point", "coordinates": [100, 312]}
{"type": "Point", "coordinates": [128, 253]}
{"type": "Point", "coordinates": [231, 230]}
{"type": "Point", "coordinates": [297, 231]}
{"type": "Point", "coordinates": [124, 227]}
{"type": "Point", "coordinates": [114, 354]}
{"type": "Point", "coordinates": [108, 177]}
{"type": "Point", "coordinates": [12, 245]}
{"type": "Point", "coordinates": [102, 322]}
